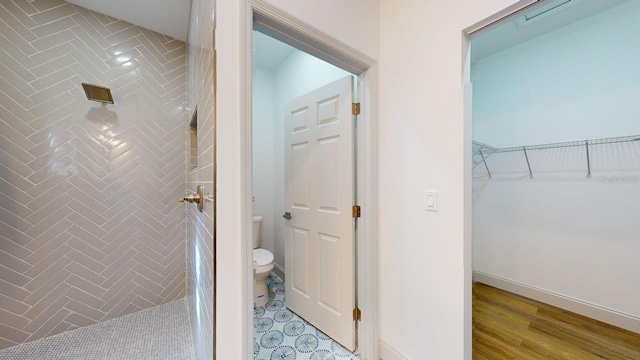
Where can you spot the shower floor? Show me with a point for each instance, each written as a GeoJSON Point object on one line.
{"type": "Point", "coordinates": [159, 333]}
{"type": "Point", "coordinates": [280, 334]}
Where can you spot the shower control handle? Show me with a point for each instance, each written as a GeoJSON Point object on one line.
{"type": "Point", "coordinates": [193, 198]}
{"type": "Point", "coordinates": [287, 215]}
{"type": "Point", "coordinates": [197, 198]}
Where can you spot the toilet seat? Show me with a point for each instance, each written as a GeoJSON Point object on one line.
{"type": "Point", "coordinates": [262, 257]}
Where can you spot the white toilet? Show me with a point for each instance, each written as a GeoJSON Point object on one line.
{"type": "Point", "coordinates": [262, 265]}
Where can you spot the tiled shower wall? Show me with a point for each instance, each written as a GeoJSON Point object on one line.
{"type": "Point", "coordinates": [90, 224]}
{"type": "Point", "coordinates": [200, 226]}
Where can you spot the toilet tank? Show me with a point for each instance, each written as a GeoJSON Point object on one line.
{"type": "Point", "coordinates": [256, 232]}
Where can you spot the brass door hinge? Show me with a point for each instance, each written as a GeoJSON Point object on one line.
{"type": "Point", "coordinates": [355, 108]}
{"type": "Point", "coordinates": [355, 211]}
{"type": "Point", "coordinates": [357, 315]}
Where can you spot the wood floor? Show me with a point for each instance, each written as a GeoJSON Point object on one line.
{"type": "Point", "coordinates": [508, 326]}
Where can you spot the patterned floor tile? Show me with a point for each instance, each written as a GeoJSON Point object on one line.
{"type": "Point", "coordinates": [280, 334]}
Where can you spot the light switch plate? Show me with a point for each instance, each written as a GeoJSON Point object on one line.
{"type": "Point", "coordinates": [431, 200]}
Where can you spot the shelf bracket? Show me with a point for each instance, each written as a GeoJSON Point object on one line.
{"type": "Point", "coordinates": [586, 143]}
{"type": "Point", "coordinates": [485, 163]}
{"type": "Point", "coordinates": [528, 164]}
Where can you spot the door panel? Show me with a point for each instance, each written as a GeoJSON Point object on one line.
{"type": "Point", "coordinates": [329, 294]}
{"type": "Point", "coordinates": [329, 173]}
{"type": "Point", "coordinates": [301, 179]}
{"type": "Point", "coordinates": [319, 183]}
{"type": "Point", "coordinates": [299, 120]}
{"type": "Point", "coordinates": [300, 261]}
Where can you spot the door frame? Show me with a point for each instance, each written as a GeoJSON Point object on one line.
{"type": "Point", "coordinates": [501, 17]}
{"type": "Point", "coordinates": [290, 29]}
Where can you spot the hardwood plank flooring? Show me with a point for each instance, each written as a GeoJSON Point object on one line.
{"type": "Point", "coordinates": [509, 326]}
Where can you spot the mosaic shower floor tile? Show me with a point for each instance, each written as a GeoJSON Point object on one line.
{"type": "Point", "coordinates": [159, 333]}
{"type": "Point", "coordinates": [280, 334]}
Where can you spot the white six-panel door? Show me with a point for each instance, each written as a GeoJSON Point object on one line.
{"type": "Point", "coordinates": [319, 183]}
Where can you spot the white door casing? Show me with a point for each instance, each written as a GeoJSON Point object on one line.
{"type": "Point", "coordinates": [319, 194]}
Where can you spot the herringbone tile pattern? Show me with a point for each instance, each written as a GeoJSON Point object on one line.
{"type": "Point", "coordinates": [90, 226]}
{"type": "Point", "coordinates": [200, 225]}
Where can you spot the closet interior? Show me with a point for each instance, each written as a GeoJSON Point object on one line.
{"type": "Point", "coordinates": [556, 158]}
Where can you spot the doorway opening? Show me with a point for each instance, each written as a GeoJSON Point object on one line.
{"type": "Point", "coordinates": [302, 165]}
{"type": "Point", "coordinates": [282, 72]}
{"type": "Point", "coordinates": [554, 157]}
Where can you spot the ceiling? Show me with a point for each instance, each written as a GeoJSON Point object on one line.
{"type": "Point", "coordinates": [171, 17]}
{"type": "Point", "coordinates": [520, 30]}
{"type": "Point", "coordinates": [269, 53]}
{"type": "Point", "coordinates": [168, 17]}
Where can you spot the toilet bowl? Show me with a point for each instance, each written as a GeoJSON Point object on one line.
{"type": "Point", "coordinates": [262, 265]}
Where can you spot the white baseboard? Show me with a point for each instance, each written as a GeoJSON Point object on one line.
{"type": "Point", "coordinates": [279, 271]}
{"type": "Point", "coordinates": [389, 353]}
{"type": "Point", "coordinates": [609, 316]}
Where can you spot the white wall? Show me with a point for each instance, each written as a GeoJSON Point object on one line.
{"type": "Point", "coordinates": [298, 74]}
{"type": "Point", "coordinates": [571, 84]}
{"type": "Point", "coordinates": [232, 269]}
{"type": "Point", "coordinates": [263, 153]}
{"type": "Point", "coordinates": [353, 22]}
{"type": "Point", "coordinates": [425, 299]}
{"type": "Point", "coordinates": [561, 232]}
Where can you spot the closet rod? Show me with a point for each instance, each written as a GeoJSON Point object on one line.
{"type": "Point", "coordinates": [490, 150]}
{"type": "Point", "coordinates": [480, 146]}
{"type": "Point", "coordinates": [613, 140]}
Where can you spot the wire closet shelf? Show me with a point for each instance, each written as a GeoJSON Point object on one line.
{"type": "Point", "coordinates": [481, 152]}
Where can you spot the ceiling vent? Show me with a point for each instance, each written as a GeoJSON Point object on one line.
{"type": "Point", "coordinates": [98, 93]}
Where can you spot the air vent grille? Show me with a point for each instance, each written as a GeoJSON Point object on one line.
{"type": "Point", "coordinates": [98, 93]}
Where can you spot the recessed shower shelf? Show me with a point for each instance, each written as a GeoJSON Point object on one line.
{"type": "Point", "coordinates": [481, 152]}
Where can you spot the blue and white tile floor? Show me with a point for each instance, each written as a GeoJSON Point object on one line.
{"type": "Point", "coordinates": [280, 334]}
